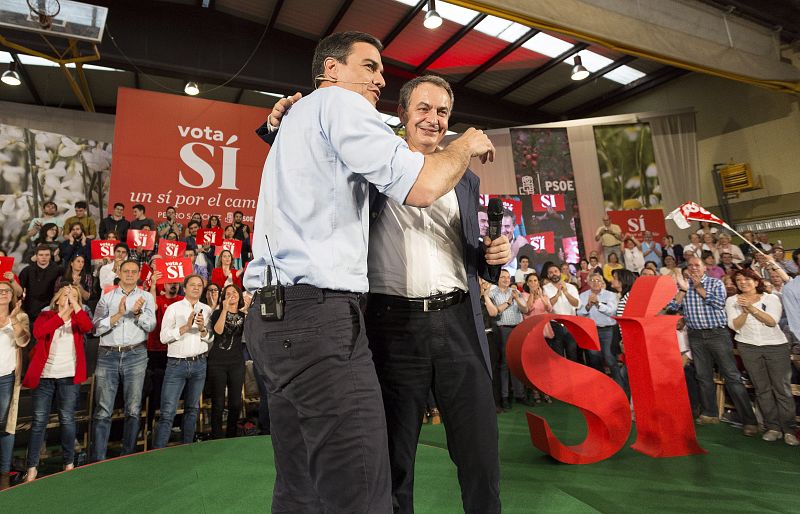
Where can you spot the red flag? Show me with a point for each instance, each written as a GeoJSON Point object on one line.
{"type": "Point", "coordinates": [103, 248]}
{"type": "Point", "coordinates": [171, 249]}
{"type": "Point", "coordinates": [553, 201]}
{"type": "Point", "coordinates": [209, 236]}
{"type": "Point", "coordinates": [690, 211]}
{"type": "Point", "coordinates": [232, 245]}
{"type": "Point", "coordinates": [173, 270]}
{"type": "Point", "coordinates": [141, 239]}
{"type": "Point", "coordinates": [542, 242]}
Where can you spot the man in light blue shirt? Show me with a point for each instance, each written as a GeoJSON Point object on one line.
{"type": "Point", "coordinates": [328, 424]}
{"type": "Point", "coordinates": [600, 304]}
{"type": "Point", "coordinates": [123, 318]}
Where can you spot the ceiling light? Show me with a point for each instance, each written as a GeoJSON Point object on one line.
{"type": "Point", "coordinates": [579, 72]}
{"type": "Point", "coordinates": [191, 89]}
{"type": "Point", "coordinates": [432, 18]}
{"type": "Point", "coordinates": [10, 76]}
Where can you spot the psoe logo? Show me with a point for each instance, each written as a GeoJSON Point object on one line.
{"type": "Point", "coordinates": [197, 154]}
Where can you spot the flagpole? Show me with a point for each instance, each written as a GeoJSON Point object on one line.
{"type": "Point", "coordinates": [744, 239]}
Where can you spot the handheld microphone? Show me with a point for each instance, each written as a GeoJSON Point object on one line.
{"type": "Point", "coordinates": [495, 213]}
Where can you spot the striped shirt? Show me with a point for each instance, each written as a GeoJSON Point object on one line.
{"type": "Point", "coordinates": [621, 303]}
{"type": "Point", "coordinates": [708, 312]}
{"type": "Point", "coordinates": [510, 317]}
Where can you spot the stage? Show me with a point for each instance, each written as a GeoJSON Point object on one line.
{"type": "Point", "coordinates": [739, 474]}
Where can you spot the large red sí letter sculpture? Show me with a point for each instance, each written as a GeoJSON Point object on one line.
{"type": "Point", "coordinates": [665, 427]}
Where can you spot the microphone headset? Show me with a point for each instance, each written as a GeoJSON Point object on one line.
{"type": "Point", "coordinates": [322, 78]}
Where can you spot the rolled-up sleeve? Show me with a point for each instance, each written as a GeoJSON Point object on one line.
{"type": "Point", "coordinates": [367, 146]}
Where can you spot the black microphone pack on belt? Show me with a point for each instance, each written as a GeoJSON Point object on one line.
{"type": "Point", "coordinates": [495, 213]}
{"type": "Point", "coordinates": [272, 298]}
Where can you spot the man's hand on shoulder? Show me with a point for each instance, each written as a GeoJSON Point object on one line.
{"type": "Point", "coordinates": [281, 108]}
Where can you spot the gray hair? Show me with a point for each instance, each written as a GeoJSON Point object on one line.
{"type": "Point", "coordinates": [411, 85]}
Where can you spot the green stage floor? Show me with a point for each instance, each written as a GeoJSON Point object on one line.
{"type": "Point", "coordinates": [739, 474]}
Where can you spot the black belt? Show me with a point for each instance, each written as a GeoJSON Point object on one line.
{"type": "Point", "coordinates": [715, 329]}
{"type": "Point", "coordinates": [192, 358]}
{"type": "Point", "coordinates": [431, 303]}
{"type": "Point", "coordinates": [307, 292]}
{"type": "Point", "coordinates": [123, 349]}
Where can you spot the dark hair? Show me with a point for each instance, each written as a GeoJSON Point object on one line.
{"type": "Point", "coordinates": [80, 204]}
{"type": "Point", "coordinates": [222, 296]}
{"type": "Point", "coordinates": [705, 254]}
{"type": "Point", "coordinates": [72, 225]}
{"type": "Point", "coordinates": [608, 259]}
{"type": "Point", "coordinates": [122, 245]}
{"type": "Point", "coordinates": [43, 232]}
{"type": "Point", "coordinates": [193, 222]}
{"type": "Point", "coordinates": [219, 259]}
{"type": "Point", "coordinates": [68, 269]}
{"type": "Point", "coordinates": [338, 46]}
{"type": "Point", "coordinates": [131, 261]}
{"type": "Point", "coordinates": [170, 207]}
{"type": "Point", "coordinates": [238, 212]}
{"type": "Point", "coordinates": [525, 282]}
{"type": "Point", "coordinates": [408, 89]}
{"type": "Point", "coordinates": [208, 225]}
{"type": "Point", "coordinates": [189, 277]}
{"type": "Point", "coordinates": [118, 204]}
{"type": "Point", "coordinates": [140, 207]}
{"type": "Point", "coordinates": [524, 257]}
{"type": "Point", "coordinates": [546, 267]}
{"type": "Point", "coordinates": [44, 248]}
{"type": "Point", "coordinates": [795, 254]}
{"type": "Point", "coordinates": [50, 202]}
{"type": "Point", "coordinates": [749, 273]}
{"type": "Point", "coordinates": [626, 279]}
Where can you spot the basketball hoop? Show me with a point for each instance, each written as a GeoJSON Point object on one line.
{"type": "Point", "coordinates": [45, 11]}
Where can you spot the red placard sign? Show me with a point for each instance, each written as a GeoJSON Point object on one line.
{"type": "Point", "coordinates": [103, 248]}
{"type": "Point", "coordinates": [232, 245]}
{"type": "Point", "coordinates": [141, 239]}
{"type": "Point", "coordinates": [550, 201]}
{"type": "Point", "coordinates": [173, 270]}
{"type": "Point", "coordinates": [171, 249]}
{"type": "Point", "coordinates": [6, 265]}
{"type": "Point", "coordinates": [145, 276]}
{"type": "Point", "coordinates": [637, 222]}
{"type": "Point", "coordinates": [209, 236]}
{"type": "Point", "coordinates": [542, 242]}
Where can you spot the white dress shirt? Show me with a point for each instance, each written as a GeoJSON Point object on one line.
{"type": "Point", "coordinates": [417, 252]}
{"type": "Point", "coordinates": [191, 343]}
{"type": "Point", "coordinates": [61, 359]}
{"type": "Point", "coordinates": [8, 350]}
{"type": "Point", "coordinates": [106, 275]}
{"type": "Point", "coordinates": [562, 306]}
{"type": "Point", "coordinates": [753, 331]}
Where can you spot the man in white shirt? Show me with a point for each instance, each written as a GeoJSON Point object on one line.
{"type": "Point", "coordinates": [188, 339]}
{"type": "Point", "coordinates": [565, 300]}
{"type": "Point", "coordinates": [108, 272]}
{"type": "Point", "coordinates": [523, 270]}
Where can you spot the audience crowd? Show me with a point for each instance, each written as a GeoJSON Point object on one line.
{"type": "Point", "coordinates": [155, 344]}
{"type": "Point", "coordinates": [159, 343]}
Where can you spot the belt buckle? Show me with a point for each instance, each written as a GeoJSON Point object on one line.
{"type": "Point", "coordinates": [425, 305]}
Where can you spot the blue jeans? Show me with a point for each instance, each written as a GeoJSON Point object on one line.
{"type": "Point", "coordinates": [710, 346]}
{"type": "Point", "coordinates": [66, 391]}
{"type": "Point", "coordinates": [114, 367]}
{"type": "Point", "coordinates": [6, 440]}
{"type": "Point", "coordinates": [180, 374]}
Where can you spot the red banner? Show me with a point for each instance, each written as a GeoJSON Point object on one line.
{"type": "Point", "coordinates": [552, 201]}
{"type": "Point", "coordinates": [103, 248]}
{"type": "Point", "coordinates": [636, 222]}
{"type": "Point", "coordinates": [6, 265]}
{"type": "Point", "coordinates": [173, 270]}
{"type": "Point", "coordinates": [194, 154]}
{"type": "Point", "coordinates": [171, 249]}
{"type": "Point", "coordinates": [232, 245]}
{"type": "Point", "coordinates": [542, 242]}
{"type": "Point", "coordinates": [141, 239]}
{"type": "Point", "coordinates": [145, 276]}
{"type": "Point", "coordinates": [209, 236]}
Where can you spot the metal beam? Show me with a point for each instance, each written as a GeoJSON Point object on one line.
{"type": "Point", "coordinates": [455, 38]}
{"type": "Point", "coordinates": [403, 23]}
{"type": "Point", "coordinates": [26, 78]}
{"type": "Point", "coordinates": [646, 83]}
{"type": "Point", "coordinates": [552, 63]}
{"type": "Point", "coordinates": [496, 58]}
{"type": "Point", "coordinates": [137, 80]}
{"type": "Point", "coordinates": [239, 94]}
{"type": "Point", "coordinates": [276, 11]}
{"type": "Point", "coordinates": [625, 59]}
{"type": "Point", "coordinates": [338, 18]}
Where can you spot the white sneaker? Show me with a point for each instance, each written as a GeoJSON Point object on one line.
{"type": "Point", "coordinates": [771, 435]}
{"type": "Point", "coordinates": [790, 439]}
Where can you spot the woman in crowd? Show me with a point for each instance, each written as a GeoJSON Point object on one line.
{"type": "Point", "coordinates": [707, 228]}
{"type": "Point", "coordinates": [712, 270]}
{"type": "Point", "coordinates": [226, 273]}
{"type": "Point", "coordinates": [671, 268]}
{"type": "Point", "coordinates": [230, 233]}
{"type": "Point", "coordinates": [77, 275]}
{"type": "Point", "coordinates": [14, 335]}
{"type": "Point", "coordinates": [709, 245]}
{"type": "Point", "coordinates": [583, 275]}
{"type": "Point", "coordinates": [11, 278]}
{"type": "Point", "coordinates": [508, 305]}
{"type": "Point", "coordinates": [48, 236]}
{"type": "Point", "coordinates": [633, 257]}
{"type": "Point", "coordinates": [213, 222]}
{"type": "Point", "coordinates": [651, 266]}
{"type": "Point", "coordinates": [225, 361]}
{"type": "Point", "coordinates": [57, 368]}
{"type": "Point", "coordinates": [567, 274]}
{"type": "Point", "coordinates": [622, 282]}
{"type": "Point", "coordinates": [536, 302]}
{"type": "Point", "coordinates": [610, 266]}
{"type": "Point", "coordinates": [211, 296]}
{"type": "Point", "coordinates": [724, 245]}
{"type": "Point", "coordinates": [754, 315]}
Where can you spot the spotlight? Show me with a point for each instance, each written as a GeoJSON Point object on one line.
{"type": "Point", "coordinates": [10, 76]}
{"type": "Point", "coordinates": [191, 89]}
{"type": "Point", "coordinates": [432, 18]}
{"type": "Point", "coordinates": [579, 72]}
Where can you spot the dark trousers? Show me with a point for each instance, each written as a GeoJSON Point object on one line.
{"type": "Point", "coordinates": [153, 382]}
{"type": "Point", "coordinates": [327, 421]}
{"type": "Point", "coordinates": [415, 352]}
{"type": "Point", "coordinates": [222, 374]}
{"type": "Point", "coordinates": [563, 343]}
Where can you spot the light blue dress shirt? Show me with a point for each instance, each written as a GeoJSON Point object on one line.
{"type": "Point", "coordinates": [314, 199]}
{"type": "Point", "coordinates": [600, 314]}
{"type": "Point", "coordinates": [129, 329]}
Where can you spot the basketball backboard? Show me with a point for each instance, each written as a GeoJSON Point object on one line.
{"type": "Point", "coordinates": [75, 20]}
